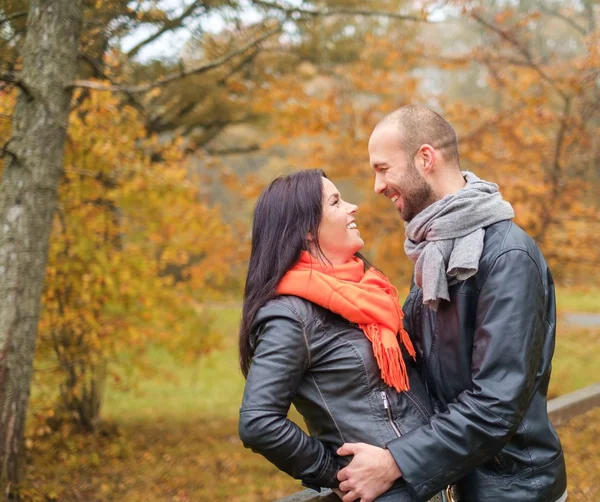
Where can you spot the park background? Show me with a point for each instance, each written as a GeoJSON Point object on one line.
{"type": "Point", "coordinates": [182, 111]}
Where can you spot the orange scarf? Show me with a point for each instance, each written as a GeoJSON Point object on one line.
{"type": "Point", "coordinates": [365, 298]}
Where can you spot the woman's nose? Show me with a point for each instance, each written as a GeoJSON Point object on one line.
{"type": "Point", "coordinates": [352, 208]}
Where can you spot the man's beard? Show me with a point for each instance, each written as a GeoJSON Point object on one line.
{"type": "Point", "coordinates": [417, 193]}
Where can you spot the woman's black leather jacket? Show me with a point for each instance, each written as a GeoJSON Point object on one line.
{"type": "Point", "coordinates": [324, 365]}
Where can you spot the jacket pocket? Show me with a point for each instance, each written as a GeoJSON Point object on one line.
{"type": "Point", "coordinates": [502, 465]}
{"type": "Point", "coordinates": [421, 408]}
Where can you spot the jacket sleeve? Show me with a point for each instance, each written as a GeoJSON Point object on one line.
{"type": "Point", "coordinates": [507, 350]}
{"type": "Point", "coordinates": [280, 360]}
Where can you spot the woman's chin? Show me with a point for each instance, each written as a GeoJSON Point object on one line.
{"type": "Point", "coordinates": [358, 247]}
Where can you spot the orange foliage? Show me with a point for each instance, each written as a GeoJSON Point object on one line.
{"type": "Point", "coordinates": [533, 129]}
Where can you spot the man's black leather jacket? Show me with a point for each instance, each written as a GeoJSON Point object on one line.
{"type": "Point", "coordinates": [309, 356]}
{"type": "Point", "coordinates": [485, 357]}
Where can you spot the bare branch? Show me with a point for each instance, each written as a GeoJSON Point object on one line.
{"type": "Point", "coordinates": [494, 122]}
{"type": "Point", "coordinates": [340, 11]}
{"type": "Point", "coordinates": [468, 59]}
{"type": "Point", "coordinates": [168, 25]}
{"type": "Point", "coordinates": [5, 116]}
{"type": "Point", "coordinates": [589, 14]}
{"type": "Point", "coordinates": [234, 150]}
{"type": "Point", "coordinates": [211, 131]}
{"type": "Point", "coordinates": [87, 84]}
{"type": "Point", "coordinates": [590, 77]}
{"type": "Point", "coordinates": [99, 71]}
{"type": "Point", "coordinates": [590, 111]}
{"type": "Point", "coordinates": [4, 151]}
{"type": "Point", "coordinates": [106, 181]}
{"type": "Point", "coordinates": [556, 13]}
{"type": "Point", "coordinates": [555, 178]}
{"type": "Point", "coordinates": [12, 16]}
{"type": "Point", "coordinates": [14, 79]}
{"type": "Point", "coordinates": [239, 67]}
{"type": "Point", "coordinates": [522, 50]}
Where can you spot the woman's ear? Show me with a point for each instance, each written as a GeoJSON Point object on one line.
{"type": "Point", "coordinates": [310, 237]}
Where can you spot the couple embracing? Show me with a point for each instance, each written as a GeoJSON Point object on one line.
{"type": "Point", "coordinates": [443, 399]}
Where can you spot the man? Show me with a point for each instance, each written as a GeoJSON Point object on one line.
{"type": "Point", "coordinates": [482, 316]}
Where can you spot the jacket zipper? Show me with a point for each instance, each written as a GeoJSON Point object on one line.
{"type": "Point", "coordinates": [497, 461]}
{"type": "Point", "coordinates": [386, 406]}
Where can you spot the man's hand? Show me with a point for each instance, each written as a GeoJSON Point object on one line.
{"type": "Point", "coordinates": [338, 492]}
{"type": "Point", "coordinates": [371, 472]}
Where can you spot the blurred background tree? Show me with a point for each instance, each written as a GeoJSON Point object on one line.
{"type": "Point", "coordinates": [183, 110]}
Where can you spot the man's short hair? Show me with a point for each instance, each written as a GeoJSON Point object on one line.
{"type": "Point", "coordinates": [419, 125]}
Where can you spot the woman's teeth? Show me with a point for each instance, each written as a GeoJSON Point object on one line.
{"type": "Point", "coordinates": [351, 225]}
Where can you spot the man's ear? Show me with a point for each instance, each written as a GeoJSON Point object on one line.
{"type": "Point", "coordinates": [426, 158]}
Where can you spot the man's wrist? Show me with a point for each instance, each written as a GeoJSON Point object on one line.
{"type": "Point", "coordinates": [392, 467]}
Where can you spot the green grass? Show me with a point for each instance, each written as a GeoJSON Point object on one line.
{"type": "Point", "coordinates": [176, 433]}
{"type": "Point", "coordinates": [576, 362]}
{"type": "Point", "coordinates": [172, 438]}
{"type": "Point", "coordinates": [582, 299]}
{"type": "Point", "coordinates": [209, 387]}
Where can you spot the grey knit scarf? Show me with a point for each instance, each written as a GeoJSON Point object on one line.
{"type": "Point", "coordinates": [445, 240]}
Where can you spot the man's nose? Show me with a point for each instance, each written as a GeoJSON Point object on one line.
{"type": "Point", "coordinates": [379, 186]}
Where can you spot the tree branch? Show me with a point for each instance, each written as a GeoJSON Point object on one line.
{"type": "Point", "coordinates": [233, 150]}
{"type": "Point", "coordinates": [99, 71]}
{"type": "Point", "coordinates": [4, 151]}
{"type": "Point", "coordinates": [15, 80]}
{"type": "Point", "coordinates": [562, 17]}
{"type": "Point", "coordinates": [522, 50]}
{"type": "Point", "coordinates": [547, 219]}
{"type": "Point", "coordinates": [242, 64]}
{"type": "Point", "coordinates": [495, 121]}
{"type": "Point", "coordinates": [339, 11]}
{"type": "Point", "coordinates": [87, 84]}
{"type": "Point", "coordinates": [590, 111]}
{"type": "Point", "coordinates": [10, 17]}
{"type": "Point", "coordinates": [592, 75]}
{"type": "Point", "coordinates": [589, 11]}
{"type": "Point", "coordinates": [211, 131]}
{"type": "Point", "coordinates": [168, 25]}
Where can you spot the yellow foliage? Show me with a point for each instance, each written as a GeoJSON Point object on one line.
{"type": "Point", "coordinates": [125, 227]}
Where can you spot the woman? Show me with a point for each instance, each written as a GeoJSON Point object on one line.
{"type": "Point", "coordinates": [321, 329]}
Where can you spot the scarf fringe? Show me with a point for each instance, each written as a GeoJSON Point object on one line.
{"type": "Point", "coordinates": [367, 298]}
{"type": "Point", "coordinates": [389, 360]}
{"type": "Point", "coordinates": [404, 337]}
{"type": "Point", "coordinates": [406, 341]}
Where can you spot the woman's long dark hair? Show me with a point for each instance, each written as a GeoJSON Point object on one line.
{"type": "Point", "coordinates": [286, 212]}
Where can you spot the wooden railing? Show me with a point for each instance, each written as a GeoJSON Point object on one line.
{"type": "Point", "coordinates": [560, 410]}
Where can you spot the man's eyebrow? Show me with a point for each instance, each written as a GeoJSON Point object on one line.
{"type": "Point", "coordinates": [379, 165]}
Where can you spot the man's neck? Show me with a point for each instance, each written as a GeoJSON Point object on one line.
{"type": "Point", "coordinates": [449, 182]}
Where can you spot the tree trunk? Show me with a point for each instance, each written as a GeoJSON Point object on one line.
{"type": "Point", "coordinates": [28, 196]}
